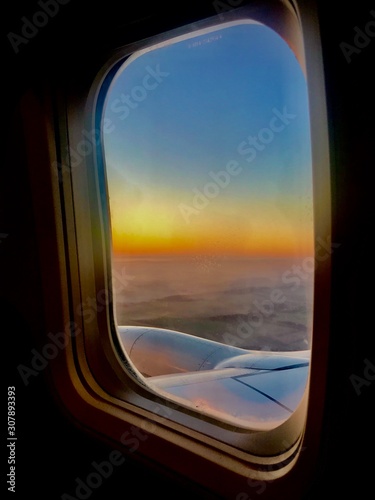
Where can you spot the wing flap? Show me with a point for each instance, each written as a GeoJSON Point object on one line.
{"type": "Point", "coordinates": [251, 398]}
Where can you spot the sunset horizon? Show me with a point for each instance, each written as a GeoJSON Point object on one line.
{"type": "Point", "coordinates": [205, 161]}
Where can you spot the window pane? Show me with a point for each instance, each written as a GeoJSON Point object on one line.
{"type": "Point", "coordinates": [208, 161]}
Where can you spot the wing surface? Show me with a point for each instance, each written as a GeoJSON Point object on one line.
{"type": "Point", "coordinates": [246, 388]}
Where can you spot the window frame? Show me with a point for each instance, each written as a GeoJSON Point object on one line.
{"type": "Point", "coordinates": [90, 376]}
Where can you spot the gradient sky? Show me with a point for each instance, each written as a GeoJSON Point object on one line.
{"type": "Point", "coordinates": [216, 89]}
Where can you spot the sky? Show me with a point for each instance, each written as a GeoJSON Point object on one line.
{"type": "Point", "coordinates": [207, 147]}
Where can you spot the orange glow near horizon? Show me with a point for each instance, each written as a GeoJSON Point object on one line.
{"type": "Point", "coordinates": [252, 228]}
{"type": "Point", "coordinates": [280, 245]}
{"type": "Point", "coordinates": [212, 161]}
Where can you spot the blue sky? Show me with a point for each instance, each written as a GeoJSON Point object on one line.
{"type": "Point", "coordinates": [216, 90]}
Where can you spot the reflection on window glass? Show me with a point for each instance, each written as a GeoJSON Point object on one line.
{"type": "Point", "coordinates": [208, 162]}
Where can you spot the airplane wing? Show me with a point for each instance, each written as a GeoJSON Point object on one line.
{"type": "Point", "coordinates": [255, 389]}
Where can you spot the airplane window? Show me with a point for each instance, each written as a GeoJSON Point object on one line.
{"type": "Point", "coordinates": [207, 151]}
